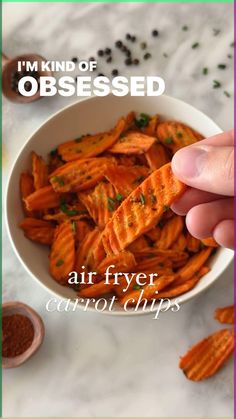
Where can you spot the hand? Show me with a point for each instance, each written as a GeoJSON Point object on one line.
{"type": "Point", "coordinates": [208, 168]}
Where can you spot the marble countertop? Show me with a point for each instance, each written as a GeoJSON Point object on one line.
{"type": "Point", "coordinates": [92, 365]}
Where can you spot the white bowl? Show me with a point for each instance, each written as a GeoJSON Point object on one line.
{"type": "Point", "coordinates": [94, 115]}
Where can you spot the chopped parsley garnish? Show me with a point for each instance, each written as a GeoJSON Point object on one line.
{"type": "Point", "coordinates": [166, 208]}
{"type": "Point", "coordinates": [227, 94]}
{"type": "Point", "coordinates": [142, 121]}
{"type": "Point", "coordinates": [168, 140]}
{"type": "Point", "coordinates": [216, 84]}
{"type": "Point", "coordinates": [153, 199]}
{"type": "Point", "coordinates": [142, 199]}
{"type": "Point", "coordinates": [53, 152]}
{"type": "Point", "coordinates": [119, 197]}
{"type": "Point", "coordinates": [66, 210]}
{"type": "Point", "coordinates": [222, 66]}
{"type": "Point", "coordinates": [59, 180]}
{"type": "Point", "coordinates": [179, 134]}
{"type": "Point", "coordinates": [195, 45]}
{"type": "Point", "coordinates": [110, 203]}
{"type": "Point", "coordinates": [185, 28]}
{"type": "Point", "coordinates": [59, 262]}
{"type": "Point", "coordinates": [137, 287]}
{"type": "Point", "coordinates": [205, 71]}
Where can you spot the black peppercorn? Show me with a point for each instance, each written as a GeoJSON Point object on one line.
{"type": "Point", "coordinates": [108, 51]}
{"type": "Point", "coordinates": [109, 59]}
{"type": "Point", "coordinates": [74, 59]}
{"type": "Point", "coordinates": [118, 44]}
{"type": "Point", "coordinates": [101, 75]}
{"type": "Point", "coordinates": [155, 32]}
{"type": "Point", "coordinates": [133, 39]}
{"type": "Point", "coordinates": [128, 36]}
{"type": "Point", "coordinates": [136, 61]}
{"type": "Point", "coordinates": [128, 61]}
{"type": "Point", "coordinates": [100, 53]}
{"type": "Point", "coordinates": [147, 56]}
{"type": "Point", "coordinates": [92, 59]}
{"type": "Point", "coordinates": [115, 72]}
{"type": "Point", "coordinates": [143, 45]}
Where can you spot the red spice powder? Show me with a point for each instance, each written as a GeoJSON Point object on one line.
{"type": "Point", "coordinates": [17, 335]}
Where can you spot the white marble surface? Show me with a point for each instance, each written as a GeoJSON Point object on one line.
{"type": "Point", "coordinates": [92, 365]}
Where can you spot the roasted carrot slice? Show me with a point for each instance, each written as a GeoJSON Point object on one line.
{"type": "Point", "coordinates": [96, 290]}
{"type": "Point", "coordinates": [123, 262]}
{"type": "Point", "coordinates": [210, 242]}
{"type": "Point", "coordinates": [138, 244]}
{"type": "Point", "coordinates": [157, 156]}
{"type": "Point", "coordinates": [193, 265]}
{"type": "Point", "coordinates": [193, 244]}
{"type": "Point", "coordinates": [79, 175]}
{"type": "Point", "coordinates": [55, 161]}
{"type": "Point", "coordinates": [39, 171]}
{"type": "Point", "coordinates": [84, 254]}
{"type": "Point", "coordinates": [225, 315]}
{"type": "Point", "coordinates": [170, 232]}
{"type": "Point", "coordinates": [91, 145]}
{"type": "Point", "coordinates": [42, 199]}
{"type": "Point", "coordinates": [125, 181]}
{"type": "Point", "coordinates": [133, 142]}
{"type": "Point", "coordinates": [175, 135]}
{"type": "Point", "coordinates": [180, 243]}
{"type": "Point", "coordinates": [149, 291]}
{"type": "Point", "coordinates": [38, 230]}
{"type": "Point", "coordinates": [206, 357]}
{"type": "Point", "coordinates": [154, 234]}
{"type": "Point", "coordinates": [62, 255]}
{"type": "Point", "coordinates": [151, 128]}
{"type": "Point", "coordinates": [140, 211]}
{"type": "Point", "coordinates": [81, 229]}
{"type": "Point", "coordinates": [26, 189]}
{"type": "Point", "coordinates": [100, 203]}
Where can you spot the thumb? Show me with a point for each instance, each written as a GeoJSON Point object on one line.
{"type": "Point", "coordinates": [206, 167]}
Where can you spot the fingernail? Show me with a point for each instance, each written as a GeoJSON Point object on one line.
{"type": "Point", "coordinates": [190, 161]}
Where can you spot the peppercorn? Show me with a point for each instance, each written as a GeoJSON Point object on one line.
{"type": "Point", "coordinates": [136, 61]}
{"type": "Point", "coordinates": [128, 53]}
{"type": "Point", "coordinates": [124, 48]}
{"type": "Point", "coordinates": [147, 56]}
{"type": "Point", "coordinates": [128, 61]}
{"type": "Point", "coordinates": [109, 59]}
{"type": "Point", "coordinates": [101, 75]}
{"type": "Point", "coordinates": [143, 45]}
{"type": "Point", "coordinates": [100, 53]}
{"type": "Point", "coordinates": [118, 44]}
{"type": "Point", "coordinates": [92, 59]}
{"type": "Point", "coordinates": [128, 36]}
{"type": "Point", "coordinates": [115, 72]}
{"type": "Point", "coordinates": [108, 51]}
{"type": "Point", "coordinates": [155, 32]}
{"type": "Point", "coordinates": [74, 60]}
{"type": "Point", "coordinates": [133, 38]}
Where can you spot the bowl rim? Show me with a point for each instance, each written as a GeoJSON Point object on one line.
{"type": "Point", "coordinates": [183, 298]}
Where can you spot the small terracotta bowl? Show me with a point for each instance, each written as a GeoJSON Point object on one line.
{"type": "Point", "coordinates": [15, 307]}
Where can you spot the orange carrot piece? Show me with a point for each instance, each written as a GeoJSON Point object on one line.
{"type": "Point", "coordinates": [79, 175]}
{"type": "Point", "coordinates": [193, 265]}
{"type": "Point", "coordinates": [41, 199]}
{"type": "Point", "coordinates": [193, 244]}
{"type": "Point", "coordinates": [206, 357]}
{"type": "Point", "coordinates": [180, 243]}
{"type": "Point", "coordinates": [170, 232]}
{"type": "Point", "coordinates": [91, 145]}
{"type": "Point", "coordinates": [133, 142]}
{"type": "Point", "coordinates": [142, 209]}
{"type": "Point", "coordinates": [123, 262]}
{"type": "Point", "coordinates": [138, 244]}
{"type": "Point", "coordinates": [96, 290]}
{"type": "Point", "coordinates": [157, 156]}
{"type": "Point", "coordinates": [151, 128]}
{"type": "Point", "coordinates": [124, 180]}
{"type": "Point", "coordinates": [100, 202]}
{"type": "Point", "coordinates": [26, 189]}
{"type": "Point", "coordinates": [38, 230]}
{"type": "Point", "coordinates": [175, 135]}
{"type": "Point", "coordinates": [62, 255]}
{"type": "Point", "coordinates": [81, 228]}
{"type": "Point", "coordinates": [39, 171]}
{"type": "Point", "coordinates": [210, 242]}
{"type": "Point", "coordinates": [84, 254]}
{"type": "Point", "coordinates": [225, 315]}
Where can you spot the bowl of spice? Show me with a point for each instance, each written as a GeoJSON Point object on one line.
{"type": "Point", "coordinates": [22, 333]}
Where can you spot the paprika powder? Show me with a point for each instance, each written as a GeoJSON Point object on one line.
{"type": "Point", "coordinates": [17, 335]}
